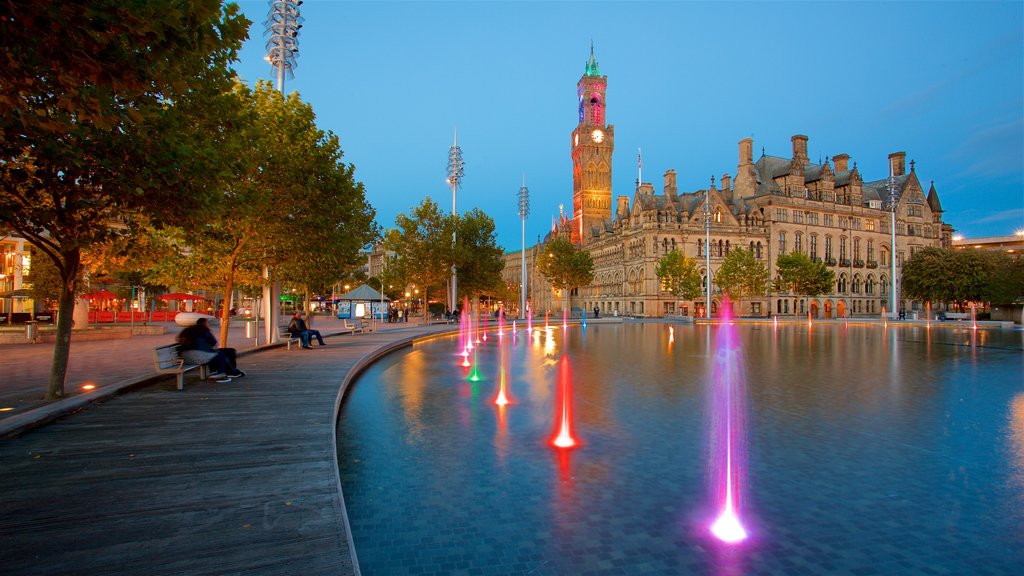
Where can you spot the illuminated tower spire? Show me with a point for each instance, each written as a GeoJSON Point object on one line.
{"type": "Point", "coordinates": [593, 141]}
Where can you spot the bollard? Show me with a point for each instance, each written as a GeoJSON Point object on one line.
{"type": "Point", "coordinates": [31, 330]}
{"type": "Point", "coordinates": [250, 329]}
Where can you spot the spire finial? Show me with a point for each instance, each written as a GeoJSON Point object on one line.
{"type": "Point", "coordinates": [592, 69]}
{"type": "Point", "coordinates": [911, 165]}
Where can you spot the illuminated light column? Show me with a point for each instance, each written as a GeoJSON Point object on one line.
{"type": "Point", "coordinates": [283, 23]}
{"type": "Point", "coordinates": [564, 436]}
{"type": "Point", "coordinates": [524, 211]}
{"type": "Point", "coordinates": [707, 250]}
{"type": "Point", "coordinates": [893, 201]}
{"type": "Point", "coordinates": [456, 169]}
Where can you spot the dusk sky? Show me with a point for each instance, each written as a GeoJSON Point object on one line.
{"type": "Point", "coordinates": [942, 81]}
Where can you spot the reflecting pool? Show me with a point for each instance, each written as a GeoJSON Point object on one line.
{"type": "Point", "coordinates": [869, 450]}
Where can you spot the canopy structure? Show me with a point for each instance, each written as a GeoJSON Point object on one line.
{"type": "Point", "coordinates": [19, 293]}
{"type": "Point", "coordinates": [179, 296]}
{"type": "Point", "coordinates": [100, 295]}
{"type": "Point", "coordinates": [361, 301]}
{"type": "Point", "coordinates": [363, 293]}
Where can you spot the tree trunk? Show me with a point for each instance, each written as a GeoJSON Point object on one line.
{"type": "Point", "coordinates": [65, 308]}
{"type": "Point", "coordinates": [225, 313]}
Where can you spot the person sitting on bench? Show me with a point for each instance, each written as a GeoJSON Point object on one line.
{"type": "Point", "coordinates": [199, 346]}
{"type": "Point", "coordinates": [297, 327]}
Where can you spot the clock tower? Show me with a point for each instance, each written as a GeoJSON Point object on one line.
{"type": "Point", "coordinates": [592, 144]}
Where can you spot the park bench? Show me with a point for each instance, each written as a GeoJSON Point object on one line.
{"type": "Point", "coordinates": [958, 316]}
{"type": "Point", "coordinates": [287, 337]}
{"type": "Point", "coordinates": [357, 326]}
{"type": "Point", "coordinates": [168, 360]}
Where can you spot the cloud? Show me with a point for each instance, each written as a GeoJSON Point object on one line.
{"type": "Point", "coordinates": [1002, 216]}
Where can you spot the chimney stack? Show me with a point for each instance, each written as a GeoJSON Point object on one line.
{"type": "Point", "coordinates": [670, 182]}
{"type": "Point", "coordinates": [800, 148]}
{"type": "Point", "coordinates": [622, 207]}
{"type": "Point", "coordinates": [897, 165]}
{"type": "Point", "coordinates": [746, 151]}
{"type": "Point", "coordinates": [726, 182]}
{"type": "Point", "coordinates": [842, 162]}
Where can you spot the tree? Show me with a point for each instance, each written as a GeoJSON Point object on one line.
{"type": "Point", "coordinates": [803, 276]}
{"type": "Point", "coordinates": [742, 275]}
{"type": "Point", "coordinates": [679, 274]}
{"type": "Point", "coordinates": [565, 267]}
{"type": "Point", "coordinates": [962, 276]}
{"type": "Point", "coordinates": [108, 111]}
{"type": "Point", "coordinates": [478, 258]}
{"type": "Point", "coordinates": [422, 243]}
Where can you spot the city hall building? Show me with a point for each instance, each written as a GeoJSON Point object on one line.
{"type": "Point", "coordinates": [770, 206]}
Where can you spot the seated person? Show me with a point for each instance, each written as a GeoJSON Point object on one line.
{"type": "Point", "coordinates": [199, 346]}
{"type": "Point", "coordinates": [297, 327]}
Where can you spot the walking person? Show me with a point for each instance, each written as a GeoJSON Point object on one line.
{"type": "Point", "coordinates": [297, 327]}
{"type": "Point", "coordinates": [199, 346]}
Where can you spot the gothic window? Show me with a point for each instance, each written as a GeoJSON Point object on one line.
{"type": "Point", "coordinates": [596, 109]}
{"type": "Point", "coordinates": [871, 250]}
{"type": "Point", "coordinates": [883, 285]}
{"type": "Point", "coordinates": [856, 283]}
{"type": "Point", "coordinates": [758, 253]}
{"type": "Point", "coordinates": [673, 244]}
{"type": "Point", "coordinates": [664, 245]}
{"type": "Point", "coordinates": [782, 242]}
{"type": "Point", "coordinates": [718, 216]}
{"type": "Point", "coordinates": [700, 247]}
{"type": "Point", "coordinates": [798, 243]}
{"type": "Point", "coordinates": [720, 248]}
{"type": "Point", "coordinates": [856, 248]}
{"type": "Point", "coordinates": [751, 246]}
{"type": "Point", "coordinates": [841, 285]}
{"type": "Point", "coordinates": [814, 246]}
{"type": "Point", "coordinates": [828, 247]}
{"type": "Point", "coordinates": [726, 248]}
{"type": "Point", "coordinates": [869, 286]}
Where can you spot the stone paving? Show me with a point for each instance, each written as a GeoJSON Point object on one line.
{"type": "Point", "coordinates": [216, 479]}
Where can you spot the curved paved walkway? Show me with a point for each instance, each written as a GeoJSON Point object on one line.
{"type": "Point", "coordinates": [235, 478]}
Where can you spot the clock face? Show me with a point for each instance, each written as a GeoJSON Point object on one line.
{"type": "Point", "coordinates": [576, 140]}
{"type": "Point", "coordinates": [597, 135]}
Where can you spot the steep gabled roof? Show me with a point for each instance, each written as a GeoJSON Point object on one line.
{"type": "Point", "coordinates": [933, 199]}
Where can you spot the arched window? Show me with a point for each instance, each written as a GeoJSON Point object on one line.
{"type": "Point", "coordinates": [700, 247]}
{"type": "Point", "coordinates": [798, 243]}
{"type": "Point", "coordinates": [869, 286]}
{"type": "Point", "coordinates": [841, 284]}
{"type": "Point", "coordinates": [720, 245]}
{"type": "Point", "coordinates": [883, 285]}
{"type": "Point", "coordinates": [718, 215]}
{"type": "Point", "coordinates": [673, 244]}
{"type": "Point", "coordinates": [751, 246]}
{"type": "Point", "coordinates": [782, 242]}
{"type": "Point", "coordinates": [856, 283]}
{"type": "Point", "coordinates": [814, 246]}
{"type": "Point", "coordinates": [828, 246]}
{"type": "Point", "coordinates": [726, 247]}
{"type": "Point", "coordinates": [758, 254]}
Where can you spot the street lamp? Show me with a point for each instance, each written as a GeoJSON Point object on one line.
{"type": "Point", "coordinates": [283, 23]}
{"type": "Point", "coordinates": [893, 201]}
{"type": "Point", "coordinates": [456, 170]}
{"type": "Point", "coordinates": [524, 211]}
{"type": "Point", "coordinates": [707, 249]}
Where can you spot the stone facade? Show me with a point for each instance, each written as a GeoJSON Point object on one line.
{"type": "Point", "coordinates": [771, 206]}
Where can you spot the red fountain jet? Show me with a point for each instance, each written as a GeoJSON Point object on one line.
{"type": "Point", "coordinates": [563, 417]}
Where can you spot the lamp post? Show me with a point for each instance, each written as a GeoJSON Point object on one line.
{"type": "Point", "coordinates": [524, 211]}
{"type": "Point", "coordinates": [283, 23]}
{"type": "Point", "coordinates": [456, 169]}
{"type": "Point", "coordinates": [893, 201]}
{"type": "Point", "coordinates": [707, 249]}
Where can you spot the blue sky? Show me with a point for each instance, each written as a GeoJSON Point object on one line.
{"type": "Point", "coordinates": [686, 81]}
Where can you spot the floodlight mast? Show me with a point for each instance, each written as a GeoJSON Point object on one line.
{"type": "Point", "coordinates": [283, 23]}
{"type": "Point", "coordinates": [456, 170]}
{"type": "Point", "coordinates": [524, 211]}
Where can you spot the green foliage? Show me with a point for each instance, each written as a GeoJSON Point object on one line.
{"type": "Point", "coordinates": [742, 275]}
{"type": "Point", "coordinates": [477, 255]}
{"type": "Point", "coordinates": [422, 243]}
{"type": "Point", "coordinates": [803, 276]}
{"type": "Point", "coordinates": [679, 274]}
{"type": "Point", "coordinates": [564, 266]}
{"type": "Point", "coordinates": [962, 276]}
{"type": "Point", "coordinates": [108, 112]}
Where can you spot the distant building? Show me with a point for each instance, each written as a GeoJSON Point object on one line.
{"type": "Point", "coordinates": [773, 205]}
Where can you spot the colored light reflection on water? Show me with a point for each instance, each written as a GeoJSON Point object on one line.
{"type": "Point", "coordinates": [850, 445]}
{"type": "Point", "coordinates": [728, 446]}
{"type": "Point", "coordinates": [563, 415]}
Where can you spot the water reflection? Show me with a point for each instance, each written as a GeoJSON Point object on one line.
{"type": "Point", "coordinates": [860, 435]}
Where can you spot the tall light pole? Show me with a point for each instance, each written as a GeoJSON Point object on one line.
{"type": "Point", "coordinates": [283, 23]}
{"type": "Point", "coordinates": [893, 201]}
{"type": "Point", "coordinates": [524, 211]}
{"type": "Point", "coordinates": [707, 249]}
{"type": "Point", "coordinates": [456, 169]}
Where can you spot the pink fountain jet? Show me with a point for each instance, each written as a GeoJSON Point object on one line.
{"type": "Point", "coordinates": [563, 417]}
{"type": "Point", "coordinates": [728, 435]}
